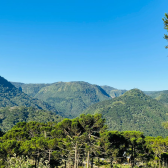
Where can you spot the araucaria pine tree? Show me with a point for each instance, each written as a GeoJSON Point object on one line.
{"type": "Point", "coordinates": [165, 20]}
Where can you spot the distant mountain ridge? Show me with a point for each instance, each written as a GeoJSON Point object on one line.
{"type": "Point", "coordinates": [113, 92]}
{"type": "Point", "coordinates": [64, 96]}
{"type": "Point", "coordinates": [30, 89]}
{"type": "Point", "coordinates": [72, 97]}
{"type": "Point", "coordinates": [11, 96]}
{"type": "Point", "coordinates": [123, 110]}
{"type": "Point", "coordinates": [133, 111]}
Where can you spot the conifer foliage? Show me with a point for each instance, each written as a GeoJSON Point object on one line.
{"type": "Point", "coordinates": [78, 142]}
{"type": "Point", "coordinates": [165, 20]}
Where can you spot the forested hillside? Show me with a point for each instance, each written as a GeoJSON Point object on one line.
{"type": "Point", "coordinates": [71, 98]}
{"type": "Point", "coordinates": [133, 111]}
{"type": "Point", "coordinates": [161, 96]}
{"type": "Point", "coordinates": [12, 96]}
{"type": "Point", "coordinates": [10, 116]}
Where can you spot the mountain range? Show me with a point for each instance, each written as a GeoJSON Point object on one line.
{"type": "Point", "coordinates": [71, 98]}
{"type": "Point", "coordinates": [122, 109]}
{"type": "Point", "coordinates": [11, 96]}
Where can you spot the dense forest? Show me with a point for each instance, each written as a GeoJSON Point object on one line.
{"type": "Point", "coordinates": [10, 116]}
{"type": "Point", "coordinates": [82, 141]}
{"type": "Point", "coordinates": [34, 135]}
{"type": "Point", "coordinates": [70, 98]}
{"type": "Point", "coordinates": [11, 96]}
{"type": "Point", "coordinates": [132, 111]}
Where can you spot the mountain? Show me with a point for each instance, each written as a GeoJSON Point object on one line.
{"type": "Point", "coordinates": [9, 116]}
{"type": "Point", "coordinates": [133, 111]}
{"type": "Point", "coordinates": [29, 89]}
{"type": "Point", "coordinates": [113, 92]}
{"type": "Point", "coordinates": [108, 89]}
{"type": "Point", "coordinates": [11, 96]}
{"type": "Point", "coordinates": [71, 98]}
{"type": "Point", "coordinates": [161, 96]}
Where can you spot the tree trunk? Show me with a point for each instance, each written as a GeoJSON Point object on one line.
{"type": "Point", "coordinates": [49, 155]}
{"type": "Point", "coordinates": [132, 159]}
{"type": "Point", "coordinates": [75, 156]}
{"type": "Point", "coordinates": [159, 163]}
{"type": "Point", "coordinates": [68, 162]}
{"type": "Point", "coordinates": [92, 162]}
{"type": "Point", "coordinates": [35, 163]}
{"type": "Point", "coordinates": [111, 163]}
{"type": "Point", "coordinates": [38, 160]}
{"type": "Point", "coordinates": [65, 163]}
{"type": "Point", "coordinates": [88, 160]}
{"type": "Point", "coordinates": [77, 162]}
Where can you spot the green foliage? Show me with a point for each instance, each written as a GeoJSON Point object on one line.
{"type": "Point", "coordinates": [52, 141]}
{"type": "Point", "coordinates": [165, 20]}
{"type": "Point", "coordinates": [21, 162]}
{"type": "Point", "coordinates": [35, 144]}
{"type": "Point", "coordinates": [11, 96]}
{"type": "Point", "coordinates": [10, 116]}
{"type": "Point", "coordinates": [161, 96]}
{"type": "Point", "coordinates": [132, 111]}
{"type": "Point", "coordinates": [71, 98]}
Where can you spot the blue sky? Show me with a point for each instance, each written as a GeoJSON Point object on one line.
{"type": "Point", "coordinates": [110, 42]}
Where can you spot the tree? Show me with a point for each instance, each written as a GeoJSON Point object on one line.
{"type": "Point", "coordinates": [93, 125]}
{"type": "Point", "coordinates": [113, 144]}
{"type": "Point", "coordinates": [72, 132]}
{"type": "Point", "coordinates": [159, 147]}
{"type": "Point", "coordinates": [165, 20]}
{"type": "Point", "coordinates": [135, 145]}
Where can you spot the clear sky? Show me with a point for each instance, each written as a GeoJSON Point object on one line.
{"type": "Point", "coordinates": [106, 42]}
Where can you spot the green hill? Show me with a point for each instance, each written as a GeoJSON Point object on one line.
{"type": "Point", "coordinates": [72, 98]}
{"type": "Point", "coordinates": [9, 116]}
{"type": "Point", "coordinates": [133, 111]}
{"type": "Point", "coordinates": [11, 96]}
{"type": "Point", "coordinates": [161, 96]}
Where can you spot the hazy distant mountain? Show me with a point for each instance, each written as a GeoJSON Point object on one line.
{"type": "Point", "coordinates": [161, 96]}
{"type": "Point", "coordinates": [133, 111]}
{"type": "Point", "coordinates": [30, 89]}
{"type": "Point", "coordinates": [113, 92]}
{"type": "Point", "coordinates": [11, 96]}
{"type": "Point", "coordinates": [108, 89]}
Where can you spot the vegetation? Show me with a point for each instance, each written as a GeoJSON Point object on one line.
{"type": "Point", "coordinates": [72, 141]}
{"type": "Point", "coordinates": [165, 20]}
{"type": "Point", "coordinates": [11, 96]}
{"type": "Point", "coordinates": [132, 111]}
{"type": "Point", "coordinates": [71, 98]}
{"type": "Point", "coordinates": [161, 96]}
{"type": "Point", "coordinates": [9, 116]}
